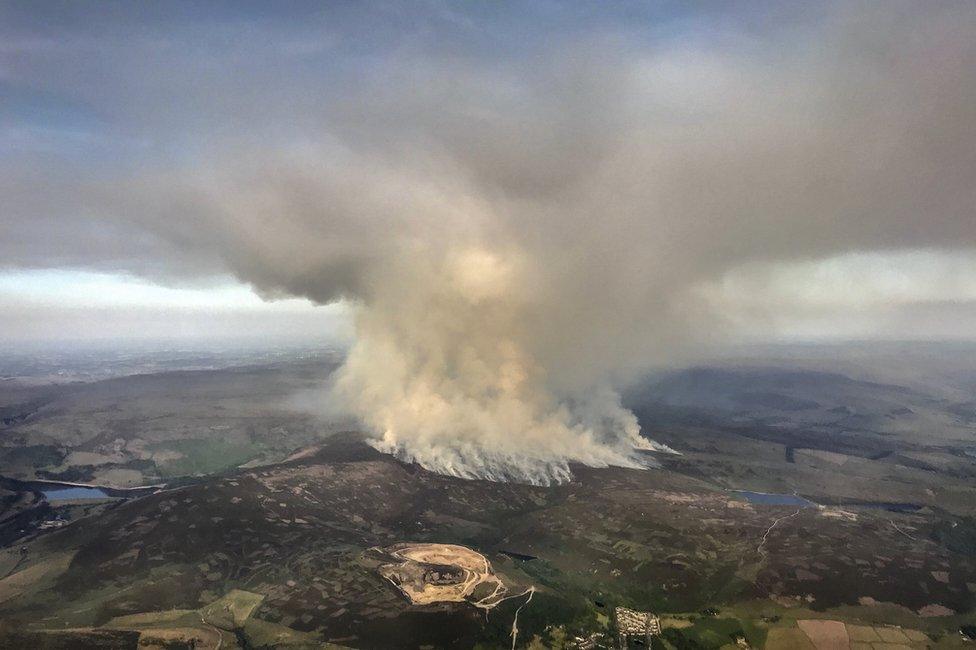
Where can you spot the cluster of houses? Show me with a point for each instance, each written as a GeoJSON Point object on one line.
{"type": "Point", "coordinates": [635, 629]}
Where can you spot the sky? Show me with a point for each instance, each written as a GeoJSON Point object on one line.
{"type": "Point", "coordinates": [227, 169]}
{"type": "Point", "coordinates": [507, 211]}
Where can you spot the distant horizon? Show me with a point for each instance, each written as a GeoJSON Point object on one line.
{"type": "Point", "coordinates": [263, 344]}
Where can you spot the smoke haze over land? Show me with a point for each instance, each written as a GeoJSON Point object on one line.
{"type": "Point", "coordinates": [523, 207]}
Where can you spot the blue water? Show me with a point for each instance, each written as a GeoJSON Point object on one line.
{"type": "Point", "coordinates": [776, 499]}
{"type": "Point", "coordinates": [71, 493]}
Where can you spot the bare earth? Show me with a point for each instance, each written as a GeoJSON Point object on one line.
{"type": "Point", "coordinates": [826, 635]}
{"type": "Point", "coordinates": [411, 572]}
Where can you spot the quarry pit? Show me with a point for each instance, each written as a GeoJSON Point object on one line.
{"type": "Point", "coordinates": [429, 573]}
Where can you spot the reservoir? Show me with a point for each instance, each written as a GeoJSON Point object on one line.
{"type": "Point", "coordinates": [75, 494]}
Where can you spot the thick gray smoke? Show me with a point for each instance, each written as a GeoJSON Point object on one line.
{"type": "Point", "coordinates": [519, 235]}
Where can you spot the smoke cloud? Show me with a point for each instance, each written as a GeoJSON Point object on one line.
{"type": "Point", "coordinates": [519, 234]}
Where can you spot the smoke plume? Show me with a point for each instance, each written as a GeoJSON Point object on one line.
{"type": "Point", "coordinates": [518, 234]}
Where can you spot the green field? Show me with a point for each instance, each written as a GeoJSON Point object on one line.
{"type": "Point", "coordinates": [201, 457]}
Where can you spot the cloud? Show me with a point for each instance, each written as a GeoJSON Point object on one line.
{"type": "Point", "coordinates": [523, 214]}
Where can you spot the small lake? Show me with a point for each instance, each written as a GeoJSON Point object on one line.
{"type": "Point", "coordinates": [767, 499]}
{"type": "Point", "coordinates": [75, 493]}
